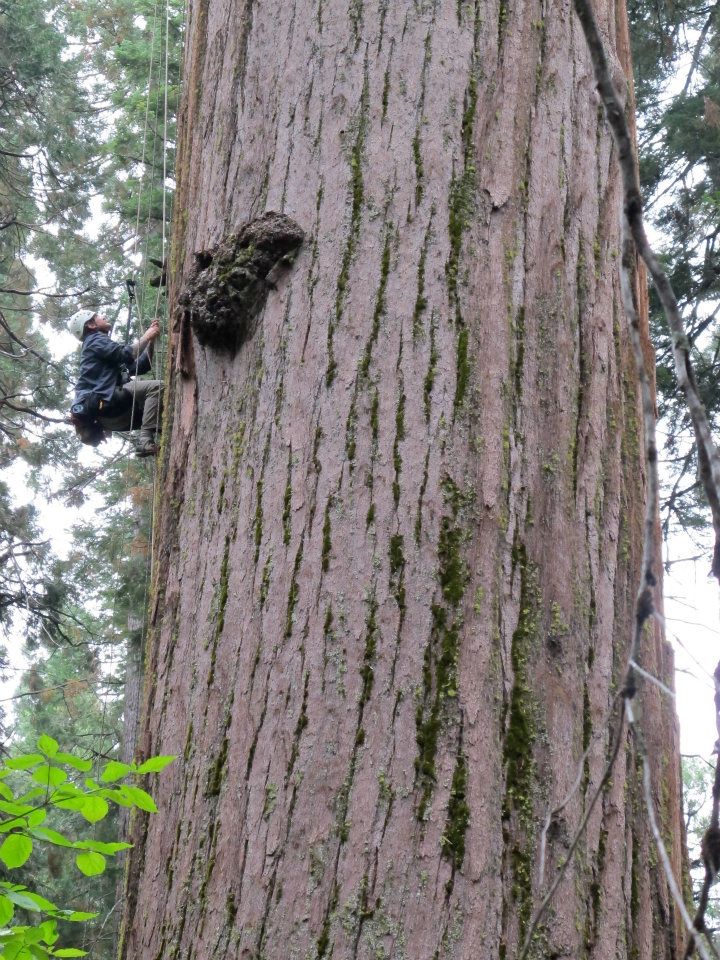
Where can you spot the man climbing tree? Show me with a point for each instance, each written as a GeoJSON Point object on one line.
{"type": "Point", "coordinates": [106, 398]}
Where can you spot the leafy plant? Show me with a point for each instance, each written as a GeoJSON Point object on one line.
{"type": "Point", "coordinates": [31, 785]}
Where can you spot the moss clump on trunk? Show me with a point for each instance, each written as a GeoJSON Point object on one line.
{"type": "Point", "coordinates": [227, 289]}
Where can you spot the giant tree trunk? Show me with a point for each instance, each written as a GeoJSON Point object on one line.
{"type": "Point", "coordinates": [399, 540]}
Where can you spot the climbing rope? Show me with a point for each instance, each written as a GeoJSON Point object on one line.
{"type": "Point", "coordinates": [138, 299]}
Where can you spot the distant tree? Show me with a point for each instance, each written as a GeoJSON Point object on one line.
{"type": "Point", "coordinates": [676, 53]}
{"type": "Point", "coordinates": [83, 111]}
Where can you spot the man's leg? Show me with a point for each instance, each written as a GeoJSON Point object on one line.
{"type": "Point", "coordinates": [147, 396]}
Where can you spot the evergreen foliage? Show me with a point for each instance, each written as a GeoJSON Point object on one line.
{"type": "Point", "coordinates": [676, 54]}
{"type": "Point", "coordinates": [82, 179]}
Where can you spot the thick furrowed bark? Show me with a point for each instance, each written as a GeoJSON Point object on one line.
{"type": "Point", "coordinates": [401, 527]}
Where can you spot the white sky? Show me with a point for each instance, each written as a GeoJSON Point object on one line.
{"type": "Point", "coordinates": [692, 626]}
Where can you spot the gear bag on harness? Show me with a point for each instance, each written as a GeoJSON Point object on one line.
{"type": "Point", "coordinates": [84, 416]}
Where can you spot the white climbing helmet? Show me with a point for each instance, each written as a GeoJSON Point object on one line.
{"type": "Point", "coordinates": [76, 323]}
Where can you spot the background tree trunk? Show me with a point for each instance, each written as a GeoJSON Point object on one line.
{"type": "Point", "coordinates": [400, 529]}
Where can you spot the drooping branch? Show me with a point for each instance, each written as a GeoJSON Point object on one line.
{"type": "Point", "coordinates": [697, 51]}
{"type": "Point", "coordinates": [30, 412]}
{"type": "Point", "coordinates": [39, 292]}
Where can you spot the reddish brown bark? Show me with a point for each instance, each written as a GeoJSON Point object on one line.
{"type": "Point", "coordinates": [399, 533]}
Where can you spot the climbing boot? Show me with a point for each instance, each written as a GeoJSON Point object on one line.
{"type": "Point", "coordinates": [146, 448]}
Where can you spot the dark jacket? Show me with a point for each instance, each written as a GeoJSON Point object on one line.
{"type": "Point", "coordinates": [106, 365]}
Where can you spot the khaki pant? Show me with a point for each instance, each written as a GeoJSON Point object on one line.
{"type": "Point", "coordinates": [143, 413]}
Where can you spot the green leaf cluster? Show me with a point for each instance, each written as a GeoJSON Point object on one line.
{"type": "Point", "coordinates": [31, 786]}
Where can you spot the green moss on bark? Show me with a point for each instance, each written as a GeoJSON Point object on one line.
{"type": "Point", "coordinates": [458, 815]}
{"type": "Point", "coordinates": [367, 671]}
{"type": "Point", "coordinates": [379, 310]}
{"type": "Point", "coordinates": [420, 298]}
{"type": "Point", "coordinates": [357, 191]}
{"type": "Point", "coordinates": [520, 738]}
{"type": "Point", "coordinates": [300, 726]}
{"type": "Point", "coordinates": [294, 591]}
{"type": "Point", "coordinates": [397, 570]}
{"type": "Point", "coordinates": [442, 652]}
{"type": "Point", "coordinates": [326, 539]}
{"type": "Point", "coordinates": [287, 502]}
{"type": "Point", "coordinates": [429, 381]}
{"type": "Point", "coordinates": [217, 771]}
{"type": "Point", "coordinates": [462, 188]}
{"type": "Point", "coordinates": [399, 437]}
{"type": "Point", "coordinates": [351, 435]}
{"type": "Point", "coordinates": [419, 167]}
{"type": "Point", "coordinates": [423, 486]}
{"type": "Point", "coordinates": [258, 526]}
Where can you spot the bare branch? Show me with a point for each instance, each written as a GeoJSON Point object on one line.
{"type": "Point", "coordinates": [40, 293]}
{"type": "Point", "coordinates": [698, 49]}
{"type": "Point", "coordinates": [547, 899]}
{"type": "Point", "coordinates": [29, 411]}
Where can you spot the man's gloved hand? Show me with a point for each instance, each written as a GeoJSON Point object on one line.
{"type": "Point", "coordinates": [146, 340]}
{"type": "Point", "coordinates": [152, 331]}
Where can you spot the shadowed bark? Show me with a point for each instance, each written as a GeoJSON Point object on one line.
{"type": "Point", "coordinates": [400, 530]}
